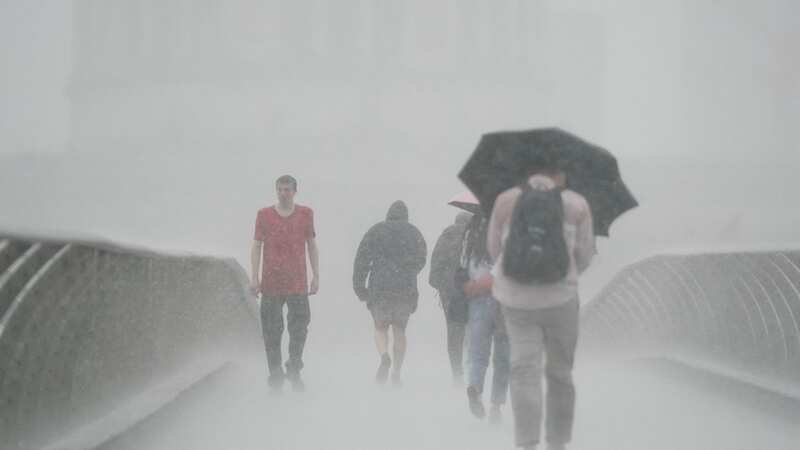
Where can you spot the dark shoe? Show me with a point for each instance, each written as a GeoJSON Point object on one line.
{"type": "Point", "coordinates": [495, 416]}
{"type": "Point", "coordinates": [475, 402]}
{"type": "Point", "coordinates": [383, 369]}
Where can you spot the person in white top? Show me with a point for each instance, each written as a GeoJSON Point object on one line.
{"type": "Point", "coordinates": [542, 318]}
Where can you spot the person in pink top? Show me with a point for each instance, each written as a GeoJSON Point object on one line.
{"type": "Point", "coordinates": [542, 319]}
{"type": "Point", "coordinates": [283, 233]}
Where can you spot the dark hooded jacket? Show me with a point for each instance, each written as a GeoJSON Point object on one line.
{"type": "Point", "coordinates": [389, 258]}
{"type": "Point", "coordinates": [446, 256]}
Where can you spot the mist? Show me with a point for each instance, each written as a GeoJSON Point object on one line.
{"type": "Point", "coordinates": [165, 126]}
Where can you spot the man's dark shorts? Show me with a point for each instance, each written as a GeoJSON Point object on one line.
{"type": "Point", "coordinates": [391, 310]}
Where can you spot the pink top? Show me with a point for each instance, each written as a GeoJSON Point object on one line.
{"type": "Point", "coordinates": [578, 233]}
{"type": "Point", "coordinates": [284, 250]}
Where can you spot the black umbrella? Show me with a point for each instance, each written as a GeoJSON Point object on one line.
{"type": "Point", "coordinates": [502, 160]}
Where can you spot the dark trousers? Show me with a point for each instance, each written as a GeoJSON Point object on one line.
{"type": "Point", "coordinates": [298, 318]}
{"type": "Point", "coordinates": [456, 328]}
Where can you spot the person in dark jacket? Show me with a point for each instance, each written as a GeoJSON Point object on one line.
{"type": "Point", "coordinates": [389, 259]}
{"type": "Point", "coordinates": [444, 264]}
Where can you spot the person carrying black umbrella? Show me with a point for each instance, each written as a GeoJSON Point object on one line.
{"type": "Point", "coordinates": [548, 194]}
{"type": "Point", "coordinates": [542, 318]}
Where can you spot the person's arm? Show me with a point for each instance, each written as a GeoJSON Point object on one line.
{"type": "Point", "coordinates": [255, 263]}
{"type": "Point", "coordinates": [313, 252]}
{"type": "Point", "coordinates": [259, 235]}
{"type": "Point", "coordinates": [438, 261]}
{"type": "Point", "coordinates": [499, 217]}
{"type": "Point", "coordinates": [313, 255]}
{"type": "Point", "coordinates": [361, 267]}
{"type": "Point", "coordinates": [584, 239]}
{"type": "Point", "coordinates": [420, 258]}
{"type": "Point", "coordinates": [422, 253]}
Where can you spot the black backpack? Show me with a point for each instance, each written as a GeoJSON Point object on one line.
{"type": "Point", "coordinates": [535, 250]}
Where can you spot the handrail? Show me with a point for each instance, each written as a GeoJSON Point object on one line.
{"type": "Point", "coordinates": [92, 325]}
{"type": "Point", "coordinates": [745, 305]}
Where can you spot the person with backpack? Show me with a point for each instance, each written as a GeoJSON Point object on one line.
{"type": "Point", "coordinates": [541, 238]}
{"type": "Point", "coordinates": [485, 326]}
{"type": "Point", "coordinates": [445, 261]}
{"type": "Point", "coordinates": [389, 258]}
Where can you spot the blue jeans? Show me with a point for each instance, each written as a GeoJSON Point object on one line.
{"type": "Point", "coordinates": [485, 326]}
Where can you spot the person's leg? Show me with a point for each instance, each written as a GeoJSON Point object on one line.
{"type": "Point", "coordinates": [381, 321]}
{"type": "Point", "coordinates": [455, 337]}
{"type": "Point", "coordinates": [479, 344]}
{"type": "Point", "coordinates": [382, 344]}
{"type": "Point", "coordinates": [479, 329]}
{"type": "Point", "coordinates": [382, 338]}
{"type": "Point", "coordinates": [501, 362]}
{"type": "Point", "coordinates": [560, 338]}
{"type": "Point", "coordinates": [272, 330]}
{"type": "Point", "coordinates": [298, 318]}
{"type": "Point", "coordinates": [526, 340]}
{"type": "Point", "coordinates": [501, 358]}
{"type": "Point", "coordinates": [398, 349]}
{"type": "Point", "coordinates": [400, 315]}
{"type": "Point", "coordinates": [455, 342]}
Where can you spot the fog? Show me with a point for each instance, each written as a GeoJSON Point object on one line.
{"type": "Point", "coordinates": [165, 125]}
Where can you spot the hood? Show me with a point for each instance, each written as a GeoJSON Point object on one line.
{"type": "Point", "coordinates": [398, 211]}
{"type": "Point", "coordinates": [463, 218]}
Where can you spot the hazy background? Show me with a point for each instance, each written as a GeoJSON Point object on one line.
{"type": "Point", "coordinates": [165, 123]}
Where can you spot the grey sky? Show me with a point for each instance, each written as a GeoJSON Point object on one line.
{"type": "Point", "coordinates": [36, 60]}
{"type": "Point", "coordinates": [697, 78]}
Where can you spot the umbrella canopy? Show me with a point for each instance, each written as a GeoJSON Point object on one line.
{"type": "Point", "coordinates": [502, 160]}
{"type": "Point", "coordinates": [466, 201]}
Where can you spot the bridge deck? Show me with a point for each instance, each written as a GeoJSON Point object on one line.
{"type": "Point", "coordinates": [634, 407]}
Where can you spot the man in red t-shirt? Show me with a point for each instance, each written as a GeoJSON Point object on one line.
{"type": "Point", "coordinates": [282, 233]}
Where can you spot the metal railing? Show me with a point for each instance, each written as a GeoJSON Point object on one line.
{"type": "Point", "coordinates": [738, 312]}
{"type": "Point", "coordinates": [85, 326]}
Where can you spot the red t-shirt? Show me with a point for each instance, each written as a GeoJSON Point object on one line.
{"type": "Point", "coordinates": [284, 250]}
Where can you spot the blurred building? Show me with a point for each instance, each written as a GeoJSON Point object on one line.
{"type": "Point", "coordinates": [181, 74]}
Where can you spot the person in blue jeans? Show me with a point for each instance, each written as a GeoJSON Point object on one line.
{"type": "Point", "coordinates": [485, 326]}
